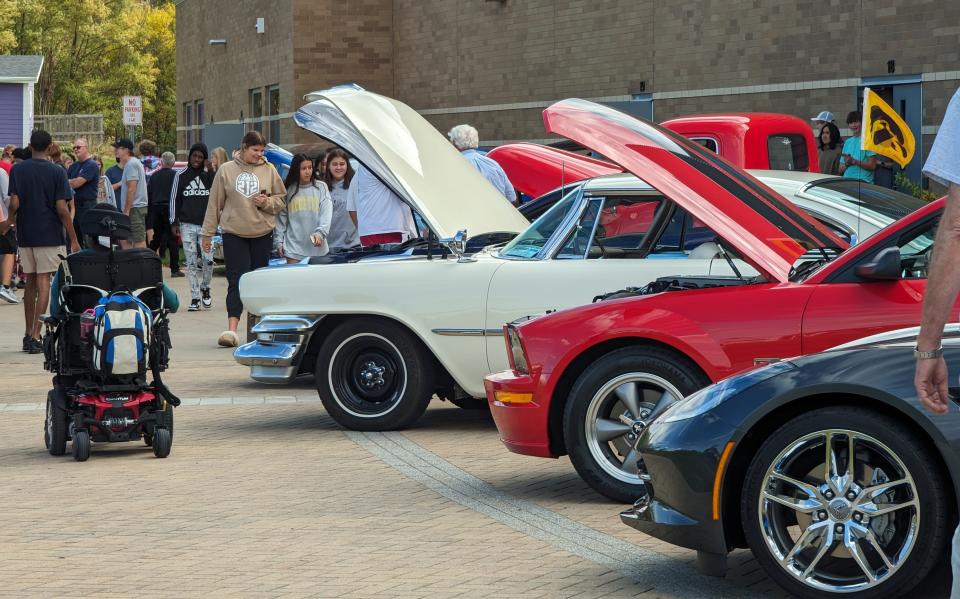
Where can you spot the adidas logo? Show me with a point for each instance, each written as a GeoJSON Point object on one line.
{"type": "Point", "coordinates": [196, 188]}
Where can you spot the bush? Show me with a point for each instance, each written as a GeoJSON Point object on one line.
{"type": "Point", "coordinates": [906, 185]}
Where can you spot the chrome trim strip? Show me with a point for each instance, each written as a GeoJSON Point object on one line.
{"type": "Point", "coordinates": [467, 332]}
{"type": "Point", "coordinates": [951, 336]}
{"type": "Point", "coordinates": [286, 323]}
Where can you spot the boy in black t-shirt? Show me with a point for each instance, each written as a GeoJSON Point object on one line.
{"type": "Point", "coordinates": [39, 192]}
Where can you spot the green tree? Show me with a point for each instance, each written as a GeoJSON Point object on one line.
{"type": "Point", "coordinates": [97, 51]}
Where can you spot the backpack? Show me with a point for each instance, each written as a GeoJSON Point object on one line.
{"type": "Point", "coordinates": [121, 334]}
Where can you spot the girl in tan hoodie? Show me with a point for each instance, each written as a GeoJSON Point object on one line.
{"type": "Point", "coordinates": [246, 196]}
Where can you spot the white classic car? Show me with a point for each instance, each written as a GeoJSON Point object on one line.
{"type": "Point", "coordinates": [384, 334]}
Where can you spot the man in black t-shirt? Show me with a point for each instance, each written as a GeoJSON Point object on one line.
{"type": "Point", "coordinates": [39, 192]}
{"type": "Point", "coordinates": [84, 177]}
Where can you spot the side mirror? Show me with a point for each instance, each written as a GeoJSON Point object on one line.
{"type": "Point", "coordinates": [886, 266]}
{"type": "Point", "coordinates": [458, 246]}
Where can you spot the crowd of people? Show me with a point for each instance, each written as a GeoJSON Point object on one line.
{"type": "Point", "coordinates": [323, 205]}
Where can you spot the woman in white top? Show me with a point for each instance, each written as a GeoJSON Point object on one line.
{"type": "Point", "coordinates": [303, 224]}
{"type": "Point", "coordinates": [337, 175]}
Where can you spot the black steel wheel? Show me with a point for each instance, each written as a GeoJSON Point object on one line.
{"type": "Point", "coordinates": [162, 442]}
{"type": "Point", "coordinates": [846, 502]}
{"type": "Point", "coordinates": [609, 406]}
{"type": "Point", "coordinates": [81, 445]}
{"type": "Point", "coordinates": [55, 427]}
{"type": "Point", "coordinates": [374, 375]}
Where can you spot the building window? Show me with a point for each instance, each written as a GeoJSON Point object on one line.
{"type": "Point", "coordinates": [201, 117]}
{"type": "Point", "coordinates": [256, 110]}
{"type": "Point", "coordinates": [274, 106]}
{"type": "Point", "coordinates": [188, 122]}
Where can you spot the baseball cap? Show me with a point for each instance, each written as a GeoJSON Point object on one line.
{"type": "Point", "coordinates": [123, 142]}
{"type": "Point", "coordinates": [825, 116]}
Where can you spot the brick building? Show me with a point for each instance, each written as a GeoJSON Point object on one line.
{"type": "Point", "coordinates": [496, 63]}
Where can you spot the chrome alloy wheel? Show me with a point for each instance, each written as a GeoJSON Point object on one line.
{"type": "Point", "coordinates": [617, 415]}
{"type": "Point", "coordinates": [839, 511]}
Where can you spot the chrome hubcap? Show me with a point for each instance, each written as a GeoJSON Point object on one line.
{"type": "Point", "coordinates": [839, 511]}
{"type": "Point", "coordinates": [372, 375]}
{"type": "Point", "coordinates": [617, 416]}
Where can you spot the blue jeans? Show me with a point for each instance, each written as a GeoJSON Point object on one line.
{"type": "Point", "coordinates": [955, 565]}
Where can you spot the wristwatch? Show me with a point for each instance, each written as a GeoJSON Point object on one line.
{"type": "Point", "coordinates": [928, 355]}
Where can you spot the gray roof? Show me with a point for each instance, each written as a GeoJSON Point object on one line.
{"type": "Point", "coordinates": [23, 69]}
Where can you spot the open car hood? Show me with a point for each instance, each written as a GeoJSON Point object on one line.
{"type": "Point", "coordinates": [412, 158]}
{"type": "Point", "coordinates": [766, 229]}
{"type": "Point", "coordinates": [535, 169]}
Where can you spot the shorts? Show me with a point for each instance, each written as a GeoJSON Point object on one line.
{"type": "Point", "coordinates": [138, 224]}
{"type": "Point", "coordinates": [8, 243]}
{"type": "Point", "coordinates": [39, 260]}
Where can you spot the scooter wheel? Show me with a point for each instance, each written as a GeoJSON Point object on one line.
{"type": "Point", "coordinates": [81, 445]}
{"type": "Point", "coordinates": [162, 441]}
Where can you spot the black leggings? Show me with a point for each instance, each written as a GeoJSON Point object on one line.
{"type": "Point", "coordinates": [243, 254]}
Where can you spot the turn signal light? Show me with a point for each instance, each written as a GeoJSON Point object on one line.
{"type": "Point", "coordinates": [513, 397]}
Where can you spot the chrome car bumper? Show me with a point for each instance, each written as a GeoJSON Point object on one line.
{"type": "Point", "coordinates": [281, 342]}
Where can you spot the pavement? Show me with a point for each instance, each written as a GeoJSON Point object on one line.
{"type": "Point", "coordinates": [264, 495]}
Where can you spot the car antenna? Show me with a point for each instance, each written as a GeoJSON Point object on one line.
{"type": "Point", "coordinates": [726, 256]}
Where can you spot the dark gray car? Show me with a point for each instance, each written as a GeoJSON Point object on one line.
{"type": "Point", "coordinates": [826, 466]}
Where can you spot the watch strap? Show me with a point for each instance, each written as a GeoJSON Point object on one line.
{"type": "Point", "coordinates": [928, 355]}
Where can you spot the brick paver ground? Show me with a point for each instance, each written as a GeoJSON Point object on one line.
{"type": "Point", "coordinates": [264, 496]}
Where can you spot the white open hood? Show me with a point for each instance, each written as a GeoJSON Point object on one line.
{"type": "Point", "coordinates": [412, 158]}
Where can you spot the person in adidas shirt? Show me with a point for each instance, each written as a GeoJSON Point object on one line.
{"type": "Point", "coordinates": [188, 206]}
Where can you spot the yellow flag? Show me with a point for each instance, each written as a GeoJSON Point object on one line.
{"type": "Point", "coordinates": [884, 132]}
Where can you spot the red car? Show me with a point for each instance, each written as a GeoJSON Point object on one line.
{"type": "Point", "coordinates": [585, 381]}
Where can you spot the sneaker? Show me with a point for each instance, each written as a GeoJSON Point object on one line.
{"type": "Point", "coordinates": [21, 284]}
{"type": "Point", "coordinates": [177, 274]}
{"type": "Point", "coordinates": [205, 296]}
{"type": "Point", "coordinates": [9, 295]}
{"type": "Point", "coordinates": [194, 305]}
{"type": "Point", "coordinates": [26, 343]}
{"type": "Point", "coordinates": [36, 346]}
{"type": "Point", "coordinates": [228, 339]}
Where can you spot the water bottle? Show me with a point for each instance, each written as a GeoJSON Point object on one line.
{"type": "Point", "coordinates": [87, 320]}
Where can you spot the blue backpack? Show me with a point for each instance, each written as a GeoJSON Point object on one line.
{"type": "Point", "coordinates": [121, 335]}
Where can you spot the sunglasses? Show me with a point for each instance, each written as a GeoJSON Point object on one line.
{"type": "Point", "coordinates": [78, 147]}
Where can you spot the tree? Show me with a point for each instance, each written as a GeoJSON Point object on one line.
{"type": "Point", "coordinates": [97, 51]}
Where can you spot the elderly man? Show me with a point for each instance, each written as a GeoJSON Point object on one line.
{"type": "Point", "coordinates": [84, 177]}
{"type": "Point", "coordinates": [466, 139]}
{"type": "Point", "coordinates": [943, 285]}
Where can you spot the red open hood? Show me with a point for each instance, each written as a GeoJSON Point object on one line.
{"type": "Point", "coordinates": [535, 169]}
{"type": "Point", "coordinates": [766, 229]}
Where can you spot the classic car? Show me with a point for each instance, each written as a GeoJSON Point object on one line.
{"type": "Point", "coordinates": [378, 357]}
{"type": "Point", "coordinates": [826, 466]}
{"type": "Point", "coordinates": [585, 381]}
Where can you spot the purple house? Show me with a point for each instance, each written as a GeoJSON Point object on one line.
{"type": "Point", "coordinates": [18, 74]}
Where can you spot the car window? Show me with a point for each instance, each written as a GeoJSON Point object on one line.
{"type": "Point", "coordinates": [612, 227]}
{"type": "Point", "coordinates": [787, 152]}
{"type": "Point", "coordinates": [916, 251]}
{"type": "Point", "coordinates": [529, 243]}
{"type": "Point", "coordinates": [708, 142]}
{"type": "Point", "coordinates": [683, 233]}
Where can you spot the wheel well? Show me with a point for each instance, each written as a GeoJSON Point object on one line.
{"type": "Point", "coordinates": [573, 371]}
{"type": "Point", "coordinates": [750, 444]}
{"type": "Point", "coordinates": [328, 323]}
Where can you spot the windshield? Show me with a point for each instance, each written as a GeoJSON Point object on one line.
{"type": "Point", "coordinates": [529, 243]}
{"type": "Point", "coordinates": [878, 203]}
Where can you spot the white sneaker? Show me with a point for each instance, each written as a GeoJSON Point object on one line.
{"type": "Point", "coordinates": [228, 339]}
{"type": "Point", "coordinates": [9, 295]}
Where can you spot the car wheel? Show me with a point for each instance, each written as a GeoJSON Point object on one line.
{"type": "Point", "coordinates": [843, 501]}
{"type": "Point", "coordinates": [55, 427]}
{"type": "Point", "coordinates": [374, 375]}
{"type": "Point", "coordinates": [609, 406]}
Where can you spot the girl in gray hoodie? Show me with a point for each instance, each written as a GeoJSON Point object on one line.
{"type": "Point", "coordinates": [303, 224]}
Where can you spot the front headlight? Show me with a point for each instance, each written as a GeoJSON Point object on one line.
{"type": "Point", "coordinates": [710, 397]}
{"type": "Point", "coordinates": [518, 357]}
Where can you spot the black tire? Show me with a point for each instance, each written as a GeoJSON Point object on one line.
{"type": "Point", "coordinates": [593, 397]}
{"type": "Point", "coordinates": [148, 429]}
{"type": "Point", "coordinates": [81, 445]}
{"type": "Point", "coordinates": [374, 375]}
{"type": "Point", "coordinates": [55, 427]}
{"type": "Point", "coordinates": [162, 442]}
{"type": "Point", "coordinates": [935, 512]}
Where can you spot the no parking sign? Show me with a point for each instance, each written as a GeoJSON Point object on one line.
{"type": "Point", "coordinates": [132, 111]}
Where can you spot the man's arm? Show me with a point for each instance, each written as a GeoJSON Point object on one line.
{"type": "Point", "coordinates": [131, 196]}
{"type": "Point", "coordinates": [64, 213]}
{"type": "Point", "coordinates": [88, 172]}
{"type": "Point", "coordinates": [12, 214]}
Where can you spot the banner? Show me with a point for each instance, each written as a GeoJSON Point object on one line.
{"type": "Point", "coordinates": [884, 132]}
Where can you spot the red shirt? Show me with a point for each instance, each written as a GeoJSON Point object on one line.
{"type": "Point", "coordinates": [6, 166]}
